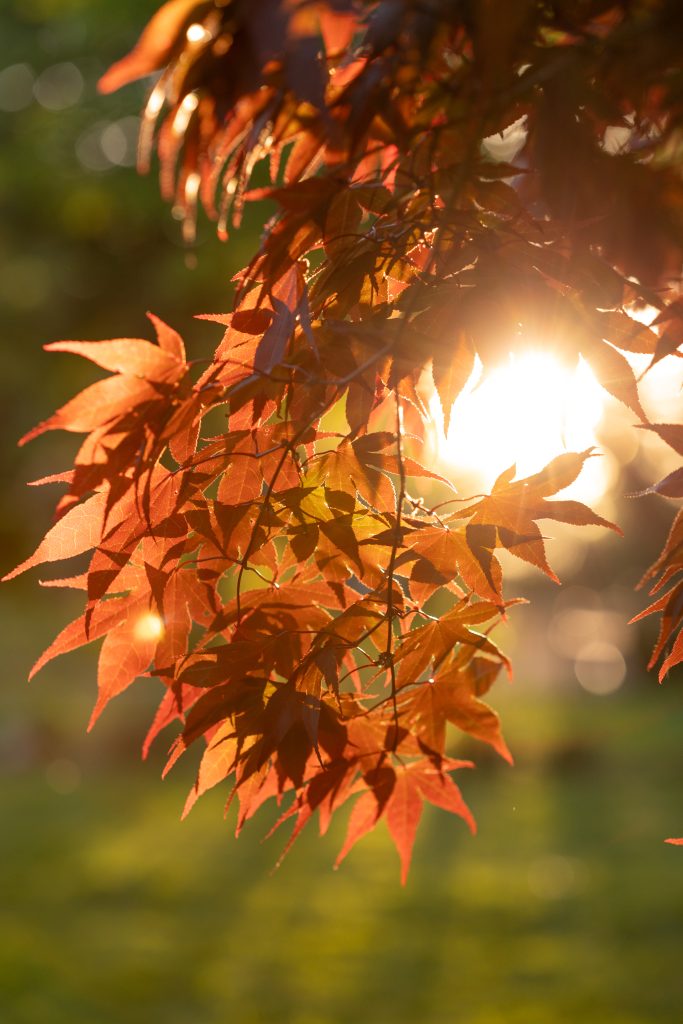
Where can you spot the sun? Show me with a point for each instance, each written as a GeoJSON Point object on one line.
{"type": "Point", "coordinates": [525, 412]}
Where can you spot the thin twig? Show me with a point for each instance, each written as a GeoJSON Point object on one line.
{"type": "Point", "coordinates": [400, 497]}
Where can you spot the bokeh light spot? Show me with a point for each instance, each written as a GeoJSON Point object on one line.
{"type": "Point", "coordinates": [196, 33]}
{"type": "Point", "coordinates": [149, 626]}
{"type": "Point", "coordinates": [114, 144]}
{"type": "Point", "coordinates": [59, 86]}
{"type": "Point", "coordinates": [600, 668]}
{"type": "Point", "coordinates": [16, 88]}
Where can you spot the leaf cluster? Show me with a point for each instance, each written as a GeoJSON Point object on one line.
{"type": "Point", "coordinates": [448, 188]}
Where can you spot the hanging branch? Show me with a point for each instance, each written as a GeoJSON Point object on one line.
{"type": "Point", "coordinates": [446, 193]}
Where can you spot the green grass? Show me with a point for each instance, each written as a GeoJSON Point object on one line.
{"type": "Point", "coordinates": [566, 907]}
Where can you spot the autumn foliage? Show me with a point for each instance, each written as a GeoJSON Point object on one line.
{"type": "Point", "coordinates": [266, 535]}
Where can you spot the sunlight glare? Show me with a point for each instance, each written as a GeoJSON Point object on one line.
{"type": "Point", "coordinates": [661, 386]}
{"type": "Point", "coordinates": [149, 626]}
{"type": "Point", "coordinates": [525, 412]}
{"type": "Point", "coordinates": [196, 33]}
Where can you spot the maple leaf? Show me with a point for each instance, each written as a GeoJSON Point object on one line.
{"type": "Point", "coordinates": [397, 794]}
{"type": "Point", "coordinates": [125, 654]}
{"type": "Point", "coordinates": [451, 697]}
{"type": "Point", "coordinates": [218, 762]}
{"type": "Point", "coordinates": [136, 357]}
{"type": "Point", "coordinates": [79, 530]}
{"type": "Point", "coordinates": [428, 646]}
{"type": "Point", "coordinates": [514, 506]}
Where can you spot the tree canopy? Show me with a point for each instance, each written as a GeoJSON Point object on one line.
{"type": "Point", "coordinates": [452, 181]}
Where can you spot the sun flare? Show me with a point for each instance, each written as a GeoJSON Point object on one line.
{"type": "Point", "coordinates": [525, 412]}
{"type": "Point", "coordinates": [149, 626]}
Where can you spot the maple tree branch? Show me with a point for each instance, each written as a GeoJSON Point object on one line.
{"type": "Point", "coordinates": [397, 229]}
{"type": "Point", "coordinates": [338, 385]}
{"type": "Point", "coordinates": [400, 496]}
{"type": "Point", "coordinates": [288, 448]}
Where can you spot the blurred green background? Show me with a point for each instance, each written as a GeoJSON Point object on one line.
{"type": "Point", "coordinates": [567, 906]}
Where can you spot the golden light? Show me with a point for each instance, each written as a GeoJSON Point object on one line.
{"type": "Point", "coordinates": [149, 626]}
{"type": "Point", "coordinates": [184, 113]}
{"type": "Point", "coordinates": [526, 412]}
{"type": "Point", "coordinates": [155, 101]}
{"type": "Point", "coordinates": [196, 33]}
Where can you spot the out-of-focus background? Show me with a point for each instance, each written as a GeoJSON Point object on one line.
{"type": "Point", "coordinates": [566, 906]}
